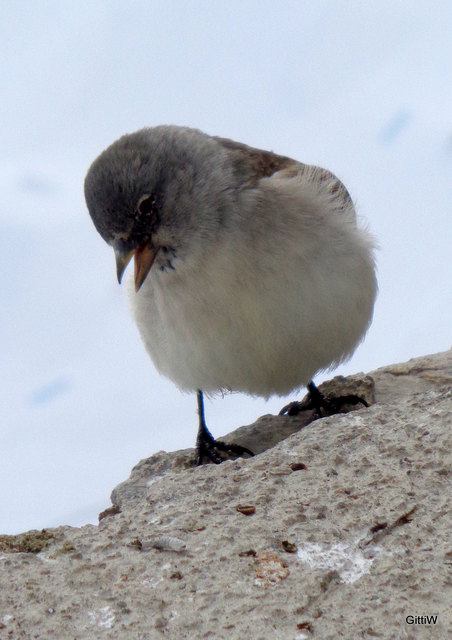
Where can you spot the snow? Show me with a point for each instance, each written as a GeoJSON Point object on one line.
{"type": "Point", "coordinates": [362, 89]}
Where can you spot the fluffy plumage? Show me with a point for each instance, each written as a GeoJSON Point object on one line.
{"type": "Point", "coordinates": [256, 273]}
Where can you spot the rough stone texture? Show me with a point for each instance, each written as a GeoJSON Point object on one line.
{"type": "Point", "coordinates": [342, 531]}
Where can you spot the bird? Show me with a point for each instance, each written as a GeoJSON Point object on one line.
{"type": "Point", "coordinates": [252, 272]}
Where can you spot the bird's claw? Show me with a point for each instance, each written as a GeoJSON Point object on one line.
{"type": "Point", "coordinates": [320, 404]}
{"type": "Point", "coordinates": [209, 449]}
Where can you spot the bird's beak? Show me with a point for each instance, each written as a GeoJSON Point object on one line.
{"type": "Point", "coordinates": [144, 259]}
{"type": "Point", "coordinates": [122, 260]}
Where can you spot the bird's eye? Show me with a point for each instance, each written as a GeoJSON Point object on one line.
{"type": "Point", "coordinates": [146, 204]}
{"type": "Point", "coordinates": [146, 217]}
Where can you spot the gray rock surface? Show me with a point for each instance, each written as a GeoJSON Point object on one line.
{"type": "Point", "coordinates": [338, 530]}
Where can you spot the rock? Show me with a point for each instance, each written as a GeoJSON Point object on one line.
{"type": "Point", "coordinates": [263, 434]}
{"type": "Point", "coordinates": [346, 533]}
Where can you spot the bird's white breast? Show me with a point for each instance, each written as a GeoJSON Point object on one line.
{"type": "Point", "coordinates": [288, 293]}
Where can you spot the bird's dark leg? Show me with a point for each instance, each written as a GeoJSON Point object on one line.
{"type": "Point", "coordinates": [322, 406]}
{"type": "Point", "coordinates": [207, 446]}
{"type": "Point", "coordinates": [204, 440]}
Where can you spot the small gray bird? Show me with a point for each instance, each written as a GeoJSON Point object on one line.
{"type": "Point", "coordinates": [251, 272]}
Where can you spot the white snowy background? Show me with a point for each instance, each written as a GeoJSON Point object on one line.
{"type": "Point", "coordinates": [362, 88]}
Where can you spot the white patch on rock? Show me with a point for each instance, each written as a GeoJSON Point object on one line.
{"type": "Point", "coordinates": [346, 558]}
{"type": "Point", "coordinates": [103, 617]}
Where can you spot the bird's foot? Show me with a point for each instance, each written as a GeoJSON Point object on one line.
{"type": "Point", "coordinates": [322, 406]}
{"type": "Point", "coordinates": [207, 448]}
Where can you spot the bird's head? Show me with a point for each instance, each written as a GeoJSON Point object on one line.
{"type": "Point", "coordinates": [144, 192]}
